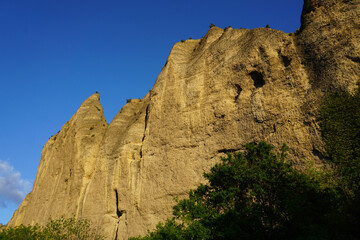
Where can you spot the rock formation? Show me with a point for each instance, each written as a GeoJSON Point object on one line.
{"type": "Point", "coordinates": [213, 95]}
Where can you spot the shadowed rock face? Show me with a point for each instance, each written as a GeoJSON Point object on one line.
{"type": "Point", "coordinates": [212, 96]}
{"type": "Point", "coordinates": [330, 38]}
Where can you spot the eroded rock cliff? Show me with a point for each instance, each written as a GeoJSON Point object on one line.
{"type": "Point", "coordinates": [213, 95]}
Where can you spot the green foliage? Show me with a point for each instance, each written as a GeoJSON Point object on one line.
{"type": "Point", "coordinates": [255, 195]}
{"type": "Point", "coordinates": [325, 176]}
{"type": "Point", "coordinates": [21, 232]}
{"type": "Point", "coordinates": [267, 26]}
{"type": "Point", "coordinates": [69, 229]}
{"type": "Point", "coordinates": [340, 127]}
{"type": "Point", "coordinates": [60, 229]}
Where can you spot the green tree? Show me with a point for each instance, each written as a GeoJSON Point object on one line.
{"type": "Point", "coordinates": [255, 194]}
{"type": "Point", "coordinates": [340, 128]}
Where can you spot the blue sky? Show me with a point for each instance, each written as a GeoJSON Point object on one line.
{"type": "Point", "coordinates": [56, 53]}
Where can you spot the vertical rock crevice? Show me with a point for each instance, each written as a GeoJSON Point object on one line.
{"type": "Point", "coordinates": [118, 212]}
{"type": "Point", "coordinates": [238, 90]}
{"type": "Point", "coordinates": [147, 111]}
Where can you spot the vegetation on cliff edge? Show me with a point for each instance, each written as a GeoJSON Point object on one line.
{"type": "Point", "coordinates": [340, 128]}
{"type": "Point", "coordinates": [59, 229]}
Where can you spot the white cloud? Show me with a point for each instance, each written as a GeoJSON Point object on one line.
{"type": "Point", "coordinates": [13, 188]}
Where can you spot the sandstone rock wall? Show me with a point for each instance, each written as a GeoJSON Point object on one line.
{"type": "Point", "coordinates": [66, 167]}
{"type": "Point", "coordinates": [213, 95]}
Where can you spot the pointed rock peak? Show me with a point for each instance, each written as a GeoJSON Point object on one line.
{"type": "Point", "coordinates": [91, 106]}
{"type": "Point", "coordinates": [213, 34]}
{"type": "Point", "coordinates": [94, 99]}
{"type": "Point", "coordinates": [215, 28]}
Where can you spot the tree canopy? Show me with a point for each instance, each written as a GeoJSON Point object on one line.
{"type": "Point", "coordinates": [256, 194]}
{"type": "Point", "coordinates": [340, 128]}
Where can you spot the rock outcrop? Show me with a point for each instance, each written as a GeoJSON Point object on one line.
{"type": "Point", "coordinates": [66, 167]}
{"type": "Point", "coordinates": [213, 95]}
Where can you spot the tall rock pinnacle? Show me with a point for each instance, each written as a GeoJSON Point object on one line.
{"type": "Point", "coordinates": [66, 166]}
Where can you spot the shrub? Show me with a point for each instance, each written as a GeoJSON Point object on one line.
{"type": "Point", "coordinates": [255, 195]}
{"type": "Point", "coordinates": [60, 229]}
{"type": "Point", "coordinates": [340, 128]}
{"type": "Point", "coordinates": [21, 232]}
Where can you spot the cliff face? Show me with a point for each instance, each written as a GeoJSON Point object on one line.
{"type": "Point", "coordinates": [66, 166]}
{"type": "Point", "coordinates": [330, 39]}
{"type": "Point", "coordinates": [213, 95]}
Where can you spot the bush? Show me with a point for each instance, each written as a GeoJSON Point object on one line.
{"type": "Point", "coordinates": [256, 195]}
{"type": "Point", "coordinates": [60, 229]}
{"type": "Point", "coordinates": [21, 232]}
{"type": "Point", "coordinates": [340, 128]}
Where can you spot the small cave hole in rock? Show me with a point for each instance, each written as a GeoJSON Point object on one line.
{"type": "Point", "coordinates": [286, 60]}
{"type": "Point", "coordinates": [118, 212]}
{"type": "Point", "coordinates": [258, 79]}
{"type": "Point", "coordinates": [217, 115]}
{"type": "Point", "coordinates": [238, 91]}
